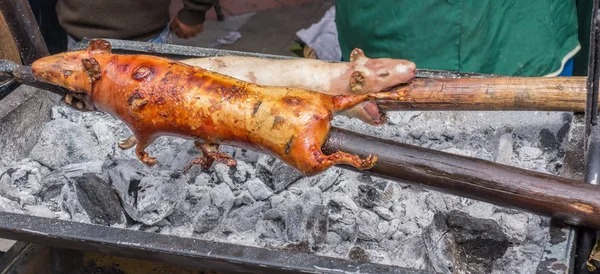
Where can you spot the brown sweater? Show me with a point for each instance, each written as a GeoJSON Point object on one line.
{"type": "Point", "coordinates": [125, 19]}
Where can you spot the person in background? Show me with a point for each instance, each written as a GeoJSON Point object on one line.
{"type": "Point", "coordinates": [507, 37]}
{"type": "Point", "coordinates": [130, 20]}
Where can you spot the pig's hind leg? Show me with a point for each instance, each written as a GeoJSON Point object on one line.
{"type": "Point", "coordinates": [128, 143]}
{"type": "Point", "coordinates": [210, 154]}
{"type": "Point", "coordinates": [142, 144]}
{"type": "Point", "coordinates": [323, 161]}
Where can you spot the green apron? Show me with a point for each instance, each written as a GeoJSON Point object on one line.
{"type": "Point", "coordinates": [509, 37]}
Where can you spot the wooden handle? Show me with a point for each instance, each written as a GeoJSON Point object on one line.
{"type": "Point", "coordinates": [504, 93]}
{"type": "Point", "coordinates": [8, 48]}
{"type": "Point", "coordinates": [571, 201]}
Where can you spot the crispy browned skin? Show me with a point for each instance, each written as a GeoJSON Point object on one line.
{"type": "Point", "coordinates": [156, 96]}
{"type": "Point", "coordinates": [361, 75]}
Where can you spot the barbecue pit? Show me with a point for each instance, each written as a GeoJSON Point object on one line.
{"type": "Point", "coordinates": [263, 207]}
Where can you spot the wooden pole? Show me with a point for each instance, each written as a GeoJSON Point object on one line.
{"type": "Point", "coordinates": [8, 48]}
{"type": "Point", "coordinates": [571, 201]}
{"type": "Point", "coordinates": [502, 93]}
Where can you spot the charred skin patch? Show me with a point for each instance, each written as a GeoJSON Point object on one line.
{"type": "Point", "coordinates": [256, 107]}
{"type": "Point", "coordinates": [92, 68]}
{"type": "Point", "coordinates": [357, 81]}
{"type": "Point", "coordinates": [67, 73]}
{"type": "Point", "coordinates": [384, 74]}
{"type": "Point", "coordinates": [137, 100]}
{"type": "Point", "coordinates": [160, 100]}
{"type": "Point", "coordinates": [220, 63]}
{"type": "Point", "coordinates": [166, 78]}
{"type": "Point", "coordinates": [123, 67]}
{"type": "Point", "coordinates": [292, 100]}
{"type": "Point", "coordinates": [288, 145]}
{"type": "Point", "coordinates": [99, 45]}
{"type": "Point", "coordinates": [135, 96]}
{"type": "Point", "coordinates": [252, 77]}
{"type": "Point", "coordinates": [143, 73]}
{"type": "Point", "coordinates": [277, 120]}
{"type": "Point", "coordinates": [235, 92]}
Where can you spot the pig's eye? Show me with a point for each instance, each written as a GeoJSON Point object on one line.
{"type": "Point", "coordinates": [384, 74]}
{"type": "Point", "coordinates": [67, 73]}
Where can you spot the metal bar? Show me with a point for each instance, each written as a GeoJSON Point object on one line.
{"type": "Point", "coordinates": [24, 30]}
{"type": "Point", "coordinates": [593, 71]}
{"type": "Point", "coordinates": [568, 200]}
{"type": "Point", "coordinates": [176, 250]}
{"type": "Point", "coordinates": [586, 237]}
{"type": "Point", "coordinates": [178, 52]}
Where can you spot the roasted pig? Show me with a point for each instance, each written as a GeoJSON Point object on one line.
{"type": "Point", "coordinates": [156, 96]}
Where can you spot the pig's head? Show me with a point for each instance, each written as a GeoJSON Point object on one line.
{"type": "Point", "coordinates": [76, 71]}
{"type": "Point", "coordinates": [374, 75]}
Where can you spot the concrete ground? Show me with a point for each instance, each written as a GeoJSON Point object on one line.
{"type": "Point", "coordinates": [266, 26]}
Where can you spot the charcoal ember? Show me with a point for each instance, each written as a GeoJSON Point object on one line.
{"type": "Point", "coordinates": [245, 155]}
{"type": "Point", "coordinates": [317, 224]}
{"type": "Point", "coordinates": [276, 174]}
{"type": "Point", "coordinates": [7, 205]}
{"type": "Point", "coordinates": [64, 142]}
{"type": "Point", "coordinates": [392, 228]}
{"type": "Point", "coordinates": [383, 213]}
{"type": "Point", "coordinates": [183, 155]}
{"type": "Point", "coordinates": [342, 216]}
{"type": "Point", "coordinates": [223, 174]}
{"type": "Point", "coordinates": [54, 181]}
{"type": "Point", "coordinates": [367, 222]}
{"type": "Point", "coordinates": [380, 194]}
{"type": "Point", "coordinates": [207, 219]}
{"type": "Point", "coordinates": [22, 181]}
{"type": "Point", "coordinates": [99, 200]}
{"type": "Point", "coordinates": [258, 189]}
{"type": "Point", "coordinates": [342, 208]}
{"type": "Point", "coordinates": [478, 242]}
{"type": "Point", "coordinates": [70, 203]}
{"type": "Point", "coordinates": [416, 133]}
{"type": "Point", "coordinates": [505, 151]}
{"type": "Point", "coordinates": [294, 223]}
{"type": "Point", "coordinates": [528, 153]}
{"type": "Point", "coordinates": [439, 244]}
{"type": "Point", "coordinates": [307, 220]}
{"type": "Point", "coordinates": [333, 238]}
{"type": "Point", "coordinates": [243, 172]}
{"type": "Point", "coordinates": [148, 195]}
{"type": "Point", "coordinates": [548, 140]}
{"type": "Point", "coordinates": [325, 180]}
{"type": "Point", "coordinates": [368, 195]}
{"type": "Point", "coordinates": [182, 215]}
{"type": "Point", "coordinates": [270, 229]}
{"type": "Point", "coordinates": [244, 218]}
{"type": "Point", "coordinates": [358, 254]}
{"type": "Point", "coordinates": [307, 224]}
{"type": "Point", "coordinates": [222, 197]}
{"type": "Point", "coordinates": [244, 198]}
{"type": "Point", "coordinates": [273, 215]}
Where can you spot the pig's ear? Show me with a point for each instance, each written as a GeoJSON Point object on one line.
{"type": "Point", "coordinates": [356, 54]}
{"type": "Point", "coordinates": [99, 46]}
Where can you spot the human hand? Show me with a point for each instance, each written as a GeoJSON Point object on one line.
{"type": "Point", "coordinates": [185, 31]}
